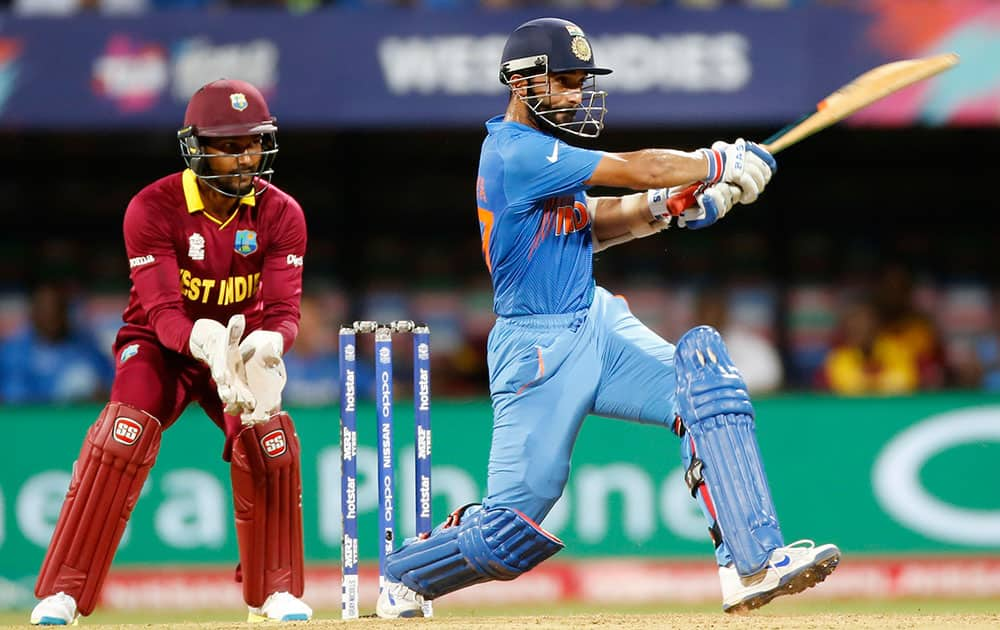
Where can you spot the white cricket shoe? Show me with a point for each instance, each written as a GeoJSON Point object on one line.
{"type": "Point", "coordinates": [396, 600]}
{"type": "Point", "coordinates": [280, 606]}
{"type": "Point", "coordinates": [55, 610]}
{"type": "Point", "coordinates": [790, 569]}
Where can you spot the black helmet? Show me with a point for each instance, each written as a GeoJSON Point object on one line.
{"type": "Point", "coordinates": [553, 45]}
{"type": "Point", "coordinates": [559, 43]}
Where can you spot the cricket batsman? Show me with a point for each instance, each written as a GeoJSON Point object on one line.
{"type": "Point", "coordinates": [563, 348]}
{"type": "Point", "coordinates": [214, 251]}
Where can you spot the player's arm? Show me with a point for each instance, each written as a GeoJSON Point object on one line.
{"type": "Point", "coordinates": [281, 275]}
{"type": "Point", "coordinates": [155, 274]}
{"type": "Point", "coordinates": [741, 163]}
{"type": "Point", "coordinates": [621, 219]}
{"type": "Point", "coordinates": [650, 168]}
{"type": "Point", "coordinates": [618, 220]}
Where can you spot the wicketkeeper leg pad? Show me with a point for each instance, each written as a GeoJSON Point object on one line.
{"type": "Point", "coordinates": [114, 462]}
{"type": "Point", "coordinates": [267, 496]}
{"type": "Point", "coordinates": [715, 408]}
{"type": "Point", "coordinates": [486, 544]}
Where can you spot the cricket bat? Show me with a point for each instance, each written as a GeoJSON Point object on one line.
{"type": "Point", "coordinates": [869, 87]}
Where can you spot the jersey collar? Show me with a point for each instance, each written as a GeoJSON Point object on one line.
{"type": "Point", "coordinates": [497, 122]}
{"type": "Point", "coordinates": [192, 196]}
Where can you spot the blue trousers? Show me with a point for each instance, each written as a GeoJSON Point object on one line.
{"type": "Point", "coordinates": [547, 373]}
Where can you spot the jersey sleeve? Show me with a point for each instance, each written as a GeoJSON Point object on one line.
{"type": "Point", "coordinates": [281, 276]}
{"type": "Point", "coordinates": [154, 273]}
{"type": "Point", "coordinates": [538, 166]}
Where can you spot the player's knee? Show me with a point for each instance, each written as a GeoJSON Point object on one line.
{"type": "Point", "coordinates": [533, 507]}
{"type": "Point", "coordinates": [532, 486]}
{"type": "Point", "coordinates": [489, 543]}
{"type": "Point", "coordinates": [129, 427]}
{"type": "Point", "coordinates": [263, 448]}
{"type": "Point", "coordinates": [505, 543]}
{"type": "Point", "coordinates": [708, 382]}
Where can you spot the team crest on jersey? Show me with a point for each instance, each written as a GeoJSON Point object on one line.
{"type": "Point", "coordinates": [239, 101]}
{"type": "Point", "coordinates": [128, 352]}
{"type": "Point", "coordinates": [246, 242]}
{"type": "Point", "coordinates": [196, 247]}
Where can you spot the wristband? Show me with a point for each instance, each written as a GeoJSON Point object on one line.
{"type": "Point", "coordinates": [657, 200]}
{"type": "Point", "coordinates": [715, 165]}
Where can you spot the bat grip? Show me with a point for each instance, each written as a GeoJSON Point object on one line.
{"type": "Point", "coordinates": [678, 202]}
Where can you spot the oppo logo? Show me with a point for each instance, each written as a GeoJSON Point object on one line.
{"type": "Point", "coordinates": [896, 477]}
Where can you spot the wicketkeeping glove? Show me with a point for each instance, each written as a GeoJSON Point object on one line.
{"type": "Point", "coordinates": [218, 347]}
{"type": "Point", "coordinates": [265, 371]}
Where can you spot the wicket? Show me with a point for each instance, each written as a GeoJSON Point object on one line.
{"type": "Point", "coordinates": [386, 457]}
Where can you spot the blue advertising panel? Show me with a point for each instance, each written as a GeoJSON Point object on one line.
{"type": "Point", "coordinates": [344, 68]}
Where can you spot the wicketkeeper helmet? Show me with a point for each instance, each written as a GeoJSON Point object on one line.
{"type": "Point", "coordinates": [222, 109]}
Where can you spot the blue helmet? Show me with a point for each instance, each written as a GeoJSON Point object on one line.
{"type": "Point", "coordinates": [552, 45]}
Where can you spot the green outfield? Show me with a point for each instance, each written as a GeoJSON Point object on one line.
{"type": "Point", "coordinates": [775, 613]}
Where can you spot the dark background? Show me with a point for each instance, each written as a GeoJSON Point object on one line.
{"type": "Point", "coordinates": [920, 194]}
{"type": "Point", "coordinates": [394, 210]}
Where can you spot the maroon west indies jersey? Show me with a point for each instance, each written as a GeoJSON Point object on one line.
{"type": "Point", "coordinates": [186, 265]}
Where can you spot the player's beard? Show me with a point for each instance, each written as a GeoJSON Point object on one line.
{"type": "Point", "coordinates": [558, 118]}
{"type": "Point", "coordinates": [238, 183]}
{"type": "Point", "coordinates": [550, 121]}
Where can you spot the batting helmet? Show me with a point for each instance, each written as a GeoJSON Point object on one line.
{"type": "Point", "coordinates": [222, 109]}
{"type": "Point", "coordinates": [551, 46]}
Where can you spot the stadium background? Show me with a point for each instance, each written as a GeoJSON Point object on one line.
{"type": "Point", "coordinates": [380, 114]}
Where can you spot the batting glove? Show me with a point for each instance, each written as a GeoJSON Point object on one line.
{"type": "Point", "coordinates": [742, 163]}
{"type": "Point", "coordinates": [713, 203]}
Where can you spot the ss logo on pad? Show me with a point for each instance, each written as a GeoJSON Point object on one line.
{"type": "Point", "coordinates": [274, 443]}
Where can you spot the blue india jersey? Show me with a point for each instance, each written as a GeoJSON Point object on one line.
{"type": "Point", "coordinates": [533, 220]}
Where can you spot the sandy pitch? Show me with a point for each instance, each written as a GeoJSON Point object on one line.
{"type": "Point", "coordinates": [627, 622]}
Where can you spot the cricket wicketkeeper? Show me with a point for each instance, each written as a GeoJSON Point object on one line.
{"type": "Point", "coordinates": [215, 251]}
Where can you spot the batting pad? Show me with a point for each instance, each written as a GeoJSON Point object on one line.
{"type": "Point", "coordinates": [114, 462]}
{"type": "Point", "coordinates": [488, 544]}
{"type": "Point", "coordinates": [267, 496]}
{"type": "Point", "coordinates": [715, 407]}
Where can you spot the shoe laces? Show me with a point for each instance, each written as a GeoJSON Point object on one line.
{"type": "Point", "coordinates": [796, 549]}
{"type": "Point", "coordinates": [399, 590]}
{"type": "Point", "coordinates": [280, 598]}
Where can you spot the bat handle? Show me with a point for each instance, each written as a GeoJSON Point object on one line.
{"type": "Point", "coordinates": [678, 202]}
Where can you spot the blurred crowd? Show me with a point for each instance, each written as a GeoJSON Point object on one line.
{"type": "Point", "coordinates": [68, 7]}
{"type": "Point", "coordinates": [888, 333]}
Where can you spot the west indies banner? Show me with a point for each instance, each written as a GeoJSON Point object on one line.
{"type": "Point", "coordinates": [348, 68]}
